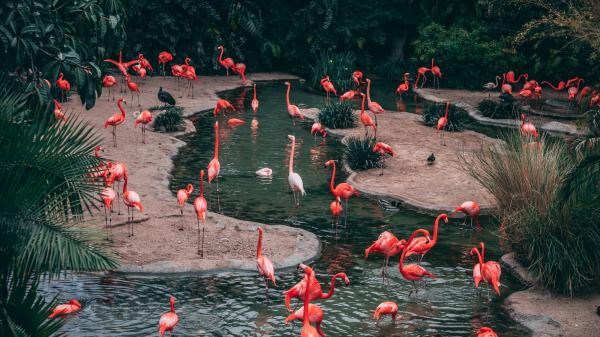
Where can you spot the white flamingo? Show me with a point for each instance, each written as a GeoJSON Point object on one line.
{"type": "Point", "coordinates": [294, 178]}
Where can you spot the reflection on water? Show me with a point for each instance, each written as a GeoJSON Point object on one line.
{"type": "Point", "coordinates": [229, 304]}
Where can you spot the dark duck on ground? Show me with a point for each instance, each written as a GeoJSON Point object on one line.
{"type": "Point", "coordinates": [165, 97]}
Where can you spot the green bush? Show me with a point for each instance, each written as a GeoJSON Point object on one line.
{"type": "Point", "coordinates": [592, 119]}
{"type": "Point", "coordinates": [359, 154]}
{"type": "Point", "coordinates": [548, 206]}
{"type": "Point", "coordinates": [456, 117]}
{"type": "Point", "coordinates": [492, 109]}
{"type": "Point", "coordinates": [338, 66]}
{"type": "Point", "coordinates": [337, 115]}
{"type": "Point", "coordinates": [170, 119]}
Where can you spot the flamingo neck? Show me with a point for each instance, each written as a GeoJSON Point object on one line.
{"type": "Point", "coordinates": [482, 246]}
{"type": "Point", "coordinates": [332, 179]}
{"type": "Point", "coordinates": [287, 95]}
{"type": "Point", "coordinates": [255, 91]}
{"type": "Point", "coordinates": [202, 184]}
{"type": "Point", "coordinates": [481, 263]}
{"type": "Point", "coordinates": [362, 105]}
{"type": "Point", "coordinates": [432, 63]}
{"type": "Point", "coordinates": [306, 322]}
{"type": "Point", "coordinates": [446, 113]}
{"type": "Point", "coordinates": [259, 247]}
{"type": "Point", "coordinates": [332, 289]}
{"type": "Point", "coordinates": [291, 168]}
{"type": "Point", "coordinates": [120, 56]}
{"type": "Point", "coordinates": [579, 83]}
{"type": "Point", "coordinates": [221, 55]}
{"type": "Point", "coordinates": [121, 107]}
{"type": "Point", "coordinates": [125, 184]}
{"type": "Point", "coordinates": [172, 307]}
{"type": "Point", "coordinates": [503, 78]}
{"type": "Point", "coordinates": [435, 229]}
{"type": "Point", "coordinates": [405, 79]}
{"type": "Point", "coordinates": [216, 141]}
{"type": "Point", "coordinates": [369, 91]}
{"type": "Point", "coordinates": [497, 78]}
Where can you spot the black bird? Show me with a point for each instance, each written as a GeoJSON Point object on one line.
{"type": "Point", "coordinates": [165, 97]}
{"type": "Point", "coordinates": [431, 159]}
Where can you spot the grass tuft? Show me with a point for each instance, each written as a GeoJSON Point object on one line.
{"type": "Point", "coordinates": [456, 117]}
{"type": "Point", "coordinates": [337, 115]}
{"type": "Point", "coordinates": [359, 154]}
{"type": "Point", "coordinates": [169, 120]}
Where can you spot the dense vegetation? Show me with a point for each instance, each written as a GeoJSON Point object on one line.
{"type": "Point", "coordinates": [498, 109]}
{"type": "Point", "coordinates": [359, 155]}
{"type": "Point", "coordinates": [169, 119]}
{"type": "Point", "coordinates": [337, 115]}
{"type": "Point", "coordinates": [456, 117]}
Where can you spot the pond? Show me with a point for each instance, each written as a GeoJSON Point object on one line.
{"type": "Point", "coordinates": [235, 304]}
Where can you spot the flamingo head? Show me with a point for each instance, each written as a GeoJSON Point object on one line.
{"type": "Point", "coordinates": [523, 117]}
{"type": "Point", "coordinates": [401, 244]}
{"type": "Point", "coordinates": [220, 47]}
{"type": "Point", "coordinates": [456, 210]}
{"type": "Point", "coordinates": [481, 246]}
{"type": "Point", "coordinates": [484, 329]}
{"type": "Point", "coordinates": [473, 251]}
{"type": "Point", "coordinates": [201, 174]}
{"type": "Point", "coordinates": [140, 56]}
{"type": "Point", "coordinates": [345, 278]}
{"type": "Point", "coordinates": [302, 266]}
{"type": "Point", "coordinates": [260, 230]}
{"type": "Point", "coordinates": [287, 83]}
{"type": "Point", "coordinates": [189, 188]}
{"type": "Point", "coordinates": [187, 60]}
{"type": "Point", "coordinates": [368, 80]}
{"type": "Point", "coordinates": [292, 138]}
{"type": "Point", "coordinates": [329, 163]}
{"type": "Point", "coordinates": [99, 149]}
{"type": "Point", "coordinates": [443, 216]}
{"type": "Point", "coordinates": [122, 100]}
{"type": "Point", "coordinates": [75, 303]}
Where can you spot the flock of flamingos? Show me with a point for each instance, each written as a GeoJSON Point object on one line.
{"type": "Point", "coordinates": [309, 288]}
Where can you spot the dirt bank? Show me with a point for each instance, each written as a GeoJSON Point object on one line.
{"type": "Point", "coordinates": [158, 244]}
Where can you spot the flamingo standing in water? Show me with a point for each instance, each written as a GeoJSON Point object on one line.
{"type": "Point", "coordinates": [109, 81]}
{"type": "Point", "coordinates": [294, 178]}
{"type": "Point", "coordinates": [403, 87]}
{"type": "Point", "coordinates": [470, 208]}
{"type": "Point", "coordinates": [307, 329]}
{"type": "Point", "coordinates": [182, 196]}
{"type": "Point", "coordinates": [486, 332]}
{"type": "Point", "coordinates": [164, 57]}
{"type": "Point", "coordinates": [315, 292]}
{"type": "Point", "coordinates": [342, 190]}
{"type": "Point", "coordinates": [374, 107]}
{"type": "Point", "coordinates": [528, 129]}
{"type": "Point", "coordinates": [222, 105]}
{"type": "Point", "coordinates": [263, 264]}
{"type": "Point", "coordinates": [386, 308]}
{"type": "Point", "coordinates": [421, 245]}
{"type": "Point", "coordinates": [59, 114]}
{"type": "Point", "coordinates": [168, 320]}
{"type": "Point", "coordinates": [441, 124]}
{"type": "Point", "coordinates": [143, 118]}
{"type": "Point", "coordinates": [383, 149]}
{"type": "Point", "coordinates": [365, 119]}
{"type": "Point", "coordinates": [254, 103]}
{"type": "Point", "coordinates": [292, 109]}
{"type": "Point", "coordinates": [214, 167]}
{"type": "Point", "coordinates": [226, 63]}
{"type": "Point", "coordinates": [132, 200]}
{"type": "Point", "coordinates": [66, 308]}
{"type": "Point", "coordinates": [413, 272]}
{"type": "Point", "coordinates": [317, 128]}
{"type": "Point", "coordinates": [437, 73]}
{"type": "Point", "coordinates": [63, 85]}
{"type": "Point", "coordinates": [490, 271]}
{"type": "Point", "coordinates": [336, 209]}
{"type": "Point", "coordinates": [200, 206]}
{"type": "Point", "coordinates": [108, 195]}
{"type": "Point", "coordinates": [116, 119]}
{"type": "Point", "coordinates": [133, 87]}
{"type": "Point", "coordinates": [315, 316]}
{"type": "Point", "coordinates": [388, 245]}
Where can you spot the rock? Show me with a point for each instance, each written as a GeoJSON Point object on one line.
{"type": "Point", "coordinates": [181, 127]}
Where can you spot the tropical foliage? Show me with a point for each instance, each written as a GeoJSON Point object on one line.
{"type": "Point", "coordinates": [548, 204]}
{"type": "Point", "coordinates": [337, 115]}
{"type": "Point", "coordinates": [169, 119]}
{"type": "Point", "coordinates": [338, 66]}
{"type": "Point", "coordinates": [359, 154]}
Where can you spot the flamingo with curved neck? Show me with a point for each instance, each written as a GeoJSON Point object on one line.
{"type": "Point", "coordinates": [388, 245]}
{"type": "Point", "coordinates": [307, 329]}
{"type": "Point", "coordinates": [316, 292]}
{"type": "Point", "coordinates": [342, 190]}
{"type": "Point", "coordinates": [489, 271]}
{"type": "Point", "coordinates": [116, 119]}
{"type": "Point", "coordinates": [365, 119]}
{"type": "Point", "coordinates": [374, 107]}
{"type": "Point", "coordinates": [227, 63]}
{"type": "Point", "coordinates": [413, 272]}
{"type": "Point", "coordinates": [423, 245]}
{"type": "Point", "coordinates": [263, 264]}
{"type": "Point", "coordinates": [293, 110]}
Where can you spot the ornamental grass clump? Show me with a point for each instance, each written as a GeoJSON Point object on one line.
{"type": "Point", "coordinates": [456, 117]}
{"type": "Point", "coordinates": [499, 110]}
{"type": "Point", "coordinates": [337, 115]}
{"type": "Point", "coordinates": [169, 120]}
{"type": "Point", "coordinates": [359, 154]}
{"type": "Point", "coordinates": [338, 66]}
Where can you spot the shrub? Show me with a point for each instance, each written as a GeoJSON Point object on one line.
{"type": "Point", "coordinates": [548, 203]}
{"type": "Point", "coordinates": [337, 115]}
{"type": "Point", "coordinates": [169, 120]}
{"type": "Point", "coordinates": [456, 117]}
{"type": "Point", "coordinates": [492, 109]}
{"type": "Point", "coordinates": [359, 154]}
{"type": "Point", "coordinates": [338, 66]}
{"type": "Point", "coordinates": [592, 119]}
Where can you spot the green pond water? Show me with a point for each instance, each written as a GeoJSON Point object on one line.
{"type": "Point", "coordinates": [235, 304]}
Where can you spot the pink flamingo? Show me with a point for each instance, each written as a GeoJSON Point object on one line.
{"type": "Point", "coordinates": [436, 72]}
{"type": "Point", "coordinates": [365, 119]}
{"type": "Point", "coordinates": [214, 167]}
{"type": "Point", "coordinates": [421, 73]}
{"type": "Point", "coordinates": [441, 124]}
{"type": "Point", "coordinates": [132, 200]}
{"type": "Point", "coordinates": [254, 103]}
{"type": "Point", "coordinates": [357, 77]}
{"type": "Point", "coordinates": [116, 172]}
{"type": "Point", "coordinates": [109, 81]}
{"type": "Point", "coordinates": [486, 332]}
{"type": "Point", "coordinates": [63, 85]}
{"type": "Point", "coordinates": [240, 68]}
{"type": "Point", "coordinates": [122, 66]}
{"type": "Point", "coordinates": [315, 292]}
{"type": "Point", "coordinates": [559, 87]}
{"type": "Point", "coordinates": [59, 114]}
{"type": "Point", "coordinates": [315, 316]}
{"type": "Point", "coordinates": [168, 320]}
{"type": "Point", "coordinates": [292, 109]}
{"type": "Point", "coordinates": [143, 118]}
{"type": "Point", "coordinates": [421, 245]}
{"type": "Point", "coordinates": [348, 95]}
{"type": "Point", "coordinates": [470, 208]}
{"type": "Point", "coordinates": [263, 264]}
{"type": "Point", "coordinates": [163, 58]}
{"type": "Point", "coordinates": [342, 190]}
{"type": "Point", "coordinates": [233, 122]}
{"type": "Point", "coordinates": [490, 271]}
{"type": "Point", "coordinates": [133, 87]}
{"type": "Point", "coordinates": [307, 329]}
{"type": "Point", "coordinates": [222, 105]}
{"type": "Point", "coordinates": [189, 73]}
{"type": "Point", "coordinates": [528, 129]}
{"type": "Point", "coordinates": [144, 63]}
{"type": "Point", "coordinates": [510, 77]}
{"type": "Point", "coordinates": [336, 209]}
{"type": "Point", "coordinates": [413, 272]}
{"type": "Point", "coordinates": [182, 196]}
{"type": "Point", "coordinates": [403, 87]}
{"type": "Point", "coordinates": [388, 245]}
{"type": "Point", "coordinates": [328, 86]}
{"type": "Point", "coordinates": [66, 308]}
{"type": "Point", "coordinates": [116, 119]}
{"type": "Point", "coordinates": [200, 206]}
{"type": "Point", "coordinates": [386, 308]}
{"type": "Point", "coordinates": [317, 128]}
{"type": "Point", "coordinates": [108, 195]}
{"type": "Point", "coordinates": [226, 63]}
{"type": "Point", "coordinates": [383, 149]}
{"type": "Point", "coordinates": [374, 107]}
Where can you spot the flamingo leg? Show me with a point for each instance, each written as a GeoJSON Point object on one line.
{"type": "Point", "coordinates": [202, 243]}
{"type": "Point", "coordinates": [132, 209]}
{"type": "Point", "coordinates": [218, 198]}
{"type": "Point", "coordinates": [119, 207]}
{"type": "Point", "coordinates": [110, 222]}
{"type": "Point", "coordinates": [106, 222]}
{"type": "Point", "coordinates": [346, 214]}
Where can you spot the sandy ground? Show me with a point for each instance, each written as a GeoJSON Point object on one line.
{"type": "Point", "coordinates": [407, 177]}
{"type": "Point", "coordinates": [157, 235]}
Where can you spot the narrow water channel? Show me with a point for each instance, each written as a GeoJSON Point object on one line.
{"type": "Point", "coordinates": [229, 304]}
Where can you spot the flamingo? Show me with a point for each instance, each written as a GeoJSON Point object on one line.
{"type": "Point", "coordinates": [491, 85]}
{"type": "Point", "coordinates": [214, 167]}
{"type": "Point", "coordinates": [342, 190]}
{"type": "Point", "coordinates": [436, 72]}
{"type": "Point", "coordinates": [470, 208]}
{"type": "Point", "coordinates": [316, 292]}
{"type": "Point", "coordinates": [413, 272]}
{"type": "Point", "coordinates": [584, 92]}
{"type": "Point", "coordinates": [386, 308]}
{"type": "Point", "coordinates": [328, 86]}
{"type": "Point", "coordinates": [421, 73]}
{"type": "Point", "coordinates": [403, 87]}
{"type": "Point", "coordinates": [365, 119]}
{"type": "Point", "coordinates": [315, 316]}
{"type": "Point", "coordinates": [388, 245]}
{"type": "Point", "coordinates": [317, 128]}
{"type": "Point", "coordinates": [143, 118]}
{"type": "Point", "coordinates": [490, 271]}
{"type": "Point", "coordinates": [108, 195]}
{"type": "Point", "coordinates": [226, 63]}
{"type": "Point", "coordinates": [189, 72]}
{"type": "Point", "coordinates": [505, 88]}
{"type": "Point", "coordinates": [141, 71]}
{"type": "Point", "coordinates": [528, 129]}
{"type": "Point", "coordinates": [66, 308]}
{"type": "Point", "coordinates": [240, 68]}
{"type": "Point", "coordinates": [441, 124]}
{"type": "Point", "coordinates": [63, 85]}
{"type": "Point", "coordinates": [571, 82]}
{"type": "Point", "coordinates": [133, 87]}
{"type": "Point", "coordinates": [200, 206]}
{"type": "Point", "coordinates": [182, 196]}
{"type": "Point", "coordinates": [374, 107]}
{"type": "Point", "coordinates": [292, 109]}
{"type": "Point", "coordinates": [254, 103]}
{"type": "Point", "coordinates": [116, 172]}
{"type": "Point", "coordinates": [168, 320]}
{"type": "Point", "coordinates": [144, 63]}
{"type": "Point", "coordinates": [132, 200]}
{"type": "Point", "coordinates": [559, 87]}
{"type": "Point", "coordinates": [510, 77]}
{"type": "Point", "coordinates": [530, 85]}
{"type": "Point", "coordinates": [336, 209]}
{"type": "Point", "coordinates": [421, 245]}
{"type": "Point", "coordinates": [357, 77]}
{"type": "Point", "coordinates": [222, 105]}
{"type": "Point", "coordinates": [59, 114]}
{"type": "Point", "coordinates": [177, 71]}
{"type": "Point", "coordinates": [116, 119]}
{"type": "Point", "coordinates": [264, 172]}
{"type": "Point", "coordinates": [307, 329]}
{"type": "Point", "coordinates": [263, 264]}
{"type": "Point", "coordinates": [164, 57]}
{"type": "Point", "coordinates": [348, 95]}
{"type": "Point", "coordinates": [528, 94]}
{"type": "Point", "coordinates": [122, 66]}
{"type": "Point", "coordinates": [486, 332]}
{"type": "Point", "coordinates": [595, 98]}
{"type": "Point", "coordinates": [233, 122]}
{"type": "Point", "coordinates": [109, 81]}
{"type": "Point", "coordinates": [294, 178]}
{"type": "Point", "coordinates": [383, 149]}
